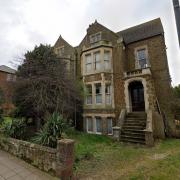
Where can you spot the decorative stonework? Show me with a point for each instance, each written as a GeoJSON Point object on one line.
{"type": "Point", "coordinates": [127, 95]}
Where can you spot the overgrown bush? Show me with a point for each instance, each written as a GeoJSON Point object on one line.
{"type": "Point", "coordinates": [52, 130]}
{"type": "Point", "coordinates": [16, 129]}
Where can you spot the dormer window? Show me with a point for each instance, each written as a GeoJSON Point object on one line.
{"type": "Point", "coordinates": [95, 37]}
{"type": "Point", "coordinates": [142, 58]}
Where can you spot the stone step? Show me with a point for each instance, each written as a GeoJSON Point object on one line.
{"type": "Point", "coordinates": [140, 127]}
{"type": "Point", "coordinates": [135, 119]}
{"type": "Point", "coordinates": [135, 123]}
{"type": "Point", "coordinates": [136, 115]}
{"type": "Point", "coordinates": [133, 130]}
{"type": "Point", "coordinates": [130, 133]}
{"type": "Point", "coordinates": [133, 141]}
{"type": "Point", "coordinates": [132, 137]}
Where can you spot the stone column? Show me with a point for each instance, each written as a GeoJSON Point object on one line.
{"type": "Point", "coordinates": [65, 159]}
{"type": "Point", "coordinates": [104, 125]}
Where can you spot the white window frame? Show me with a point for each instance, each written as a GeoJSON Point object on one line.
{"type": "Point", "coordinates": [108, 93]}
{"type": "Point", "coordinates": [97, 62]}
{"type": "Point", "coordinates": [137, 64]}
{"type": "Point", "coordinates": [9, 77]}
{"type": "Point", "coordinates": [100, 118]}
{"type": "Point", "coordinates": [88, 63]}
{"type": "Point", "coordinates": [95, 37]}
{"type": "Point", "coordinates": [111, 119]}
{"type": "Point", "coordinates": [87, 128]}
{"type": "Point", "coordinates": [108, 61]}
{"type": "Point", "coordinates": [89, 94]}
{"type": "Point", "coordinates": [60, 50]}
{"type": "Point", "coordinates": [101, 93]}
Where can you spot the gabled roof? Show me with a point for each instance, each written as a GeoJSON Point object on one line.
{"type": "Point", "coordinates": [61, 41]}
{"type": "Point", "coordinates": [7, 69]}
{"type": "Point", "coordinates": [142, 31]}
{"type": "Point", "coordinates": [96, 26]}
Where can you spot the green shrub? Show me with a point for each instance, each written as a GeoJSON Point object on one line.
{"type": "Point", "coordinates": [51, 131]}
{"type": "Point", "coordinates": [16, 129]}
{"type": "Point", "coordinates": [1, 116]}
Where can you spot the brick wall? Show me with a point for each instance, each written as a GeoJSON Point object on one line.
{"type": "Point", "coordinates": [7, 88]}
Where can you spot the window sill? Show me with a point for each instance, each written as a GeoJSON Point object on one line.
{"type": "Point", "coordinates": [90, 132]}
{"type": "Point", "coordinates": [99, 133]}
{"type": "Point", "coordinates": [96, 72]}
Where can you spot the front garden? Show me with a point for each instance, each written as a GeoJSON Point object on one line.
{"type": "Point", "coordinates": [99, 157]}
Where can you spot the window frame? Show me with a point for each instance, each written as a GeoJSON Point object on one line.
{"type": "Point", "coordinates": [111, 119]}
{"type": "Point", "coordinates": [99, 118]}
{"type": "Point", "coordinates": [109, 60]}
{"type": "Point", "coordinates": [88, 63]}
{"type": "Point", "coordinates": [137, 64]}
{"type": "Point", "coordinates": [89, 94]}
{"type": "Point", "coordinates": [94, 38]}
{"type": "Point", "coordinates": [60, 50]}
{"type": "Point", "coordinates": [99, 94]}
{"type": "Point", "coordinates": [95, 60]}
{"type": "Point", "coordinates": [87, 127]}
{"type": "Point", "coordinates": [9, 77]}
{"type": "Point", "coordinates": [108, 93]}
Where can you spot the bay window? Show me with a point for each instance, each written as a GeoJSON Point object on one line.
{"type": "Point", "coordinates": [98, 89]}
{"type": "Point", "coordinates": [97, 61]}
{"type": "Point", "coordinates": [107, 60]}
{"type": "Point", "coordinates": [88, 61]}
{"type": "Point", "coordinates": [98, 125]}
{"type": "Point", "coordinates": [89, 94]}
{"type": "Point", "coordinates": [109, 126]}
{"type": "Point", "coordinates": [108, 94]}
{"type": "Point", "coordinates": [89, 122]}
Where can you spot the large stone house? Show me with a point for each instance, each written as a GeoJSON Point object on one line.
{"type": "Point", "coordinates": [7, 78]}
{"type": "Point", "coordinates": [126, 78]}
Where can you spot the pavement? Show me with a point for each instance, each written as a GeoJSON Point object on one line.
{"type": "Point", "coordinates": [12, 168]}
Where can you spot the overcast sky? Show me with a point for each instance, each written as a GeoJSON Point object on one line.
{"type": "Point", "coordinates": [26, 23]}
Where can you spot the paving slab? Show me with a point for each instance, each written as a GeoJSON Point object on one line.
{"type": "Point", "coordinates": [12, 168]}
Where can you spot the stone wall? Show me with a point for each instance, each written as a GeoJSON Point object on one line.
{"type": "Point", "coordinates": [58, 161]}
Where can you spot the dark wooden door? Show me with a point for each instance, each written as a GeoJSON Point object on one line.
{"type": "Point", "coordinates": [137, 97]}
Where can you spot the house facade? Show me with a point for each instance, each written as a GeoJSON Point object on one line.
{"type": "Point", "coordinates": [126, 79]}
{"type": "Point", "coordinates": [7, 78]}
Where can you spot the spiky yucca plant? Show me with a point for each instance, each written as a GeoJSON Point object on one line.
{"type": "Point", "coordinates": [51, 131]}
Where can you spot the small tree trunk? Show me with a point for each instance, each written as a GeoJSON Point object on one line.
{"type": "Point", "coordinates": [38, 124]}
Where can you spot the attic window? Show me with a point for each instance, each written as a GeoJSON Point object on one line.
{"type": "Point", "coordinates": [60, 51]}
{"type": "Point", "coordinates": [95, 37]}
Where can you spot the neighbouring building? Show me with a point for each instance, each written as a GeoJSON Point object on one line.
{"type": "Point", "coordinates": [126, 79]}
{"type": "Point", "coordinates": [7, 78]}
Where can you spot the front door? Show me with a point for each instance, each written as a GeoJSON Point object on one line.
{"type": "Point", "coordinates": [137, 96]}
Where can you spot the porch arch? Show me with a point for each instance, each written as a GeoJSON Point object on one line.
{"type": "Point", "coordinates": [128, 96]}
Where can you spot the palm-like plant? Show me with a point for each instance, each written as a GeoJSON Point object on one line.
{"type": "Point", "coordinates": [51, 131]}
